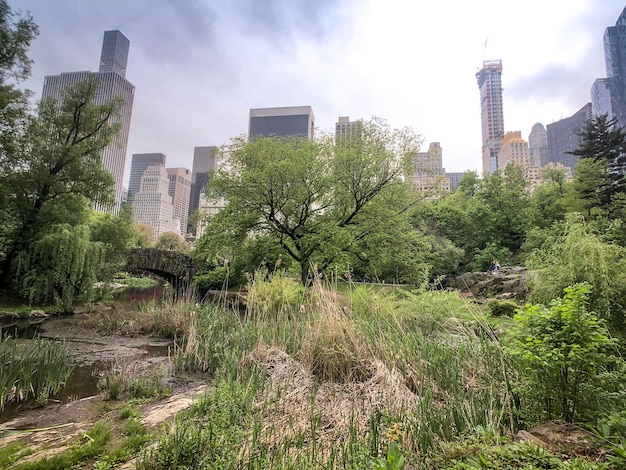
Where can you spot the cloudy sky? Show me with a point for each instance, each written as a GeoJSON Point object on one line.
{"type": "Point", "coordinates": [198, 66]}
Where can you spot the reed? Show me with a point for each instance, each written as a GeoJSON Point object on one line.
{"type": "Point", "coordinates": [36, 370]}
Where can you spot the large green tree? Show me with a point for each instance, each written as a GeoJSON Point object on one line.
{"type": "Point", "coordinates": [315, 198]}
{"type": "Point", "coordinates": [59, 173]}
{"type": "Point", "coordinates": [600, 180]}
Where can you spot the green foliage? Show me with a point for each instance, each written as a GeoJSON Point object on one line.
{"type": "Point", "coordinates": [149, 384]}
{"type": "Point", "coordinates": [394, 460]}
{"type": "Point", "coordinates": [484, 258]}
{"type": "Point", "coordinates": [50, 184]}
{"type": "Point", "coordinates": [601, 172]}
{"type": "Point", "coordinates": [144, 236]}
{"type": "Point", "coordinates": [318, 201]}
{"type": "Point", "coordinates": [563, 350]}
{"type": "Point", "coordinates": [117, 233]}
{"type": "Point", "coordinates": [171, 241]}
{"type": "Point", "coordinates": [501, 308]}
{"type": "Point", "coordinates": [60, 266]}
{"type": "Point", "coordinates": [212, 434]}
{"type": "Point", "coordinates": [576, 254]}
{"type": "Point", "coordinates": [38, 370]}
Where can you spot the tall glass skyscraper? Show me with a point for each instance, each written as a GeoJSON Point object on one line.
{"type": "Point", "coordinates": [112, 79]}
{"type": "Point", "coordinates": [615, 61]}
{"type": "Point", "coordinates": [489, 80]}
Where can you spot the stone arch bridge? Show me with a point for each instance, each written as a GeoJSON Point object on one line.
{"type": "Point", "coordinates": [175, 267]}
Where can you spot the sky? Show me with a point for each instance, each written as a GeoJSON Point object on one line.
{"type": "Point", "coordinates": [199, 66]}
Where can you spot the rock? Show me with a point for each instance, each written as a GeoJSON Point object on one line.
{"type": "Point", "coordinates": [506, 283]}
{"type": "Point", "coordinates": [38, 314]}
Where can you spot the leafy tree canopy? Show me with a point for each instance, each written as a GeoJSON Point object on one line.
{"type": "Point", "coordinates": [316, 199]}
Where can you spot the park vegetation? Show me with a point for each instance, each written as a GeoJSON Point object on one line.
{"type": "Point", "coordinates": [320, 372]}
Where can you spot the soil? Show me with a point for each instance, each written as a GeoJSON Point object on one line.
{"type": "Point", "coordinates": [51, 428]}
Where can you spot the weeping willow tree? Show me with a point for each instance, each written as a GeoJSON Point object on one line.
{"type": "Point", "coordinates": [60, 266]}
{"type": "Point", "coordinates": [575, 255]}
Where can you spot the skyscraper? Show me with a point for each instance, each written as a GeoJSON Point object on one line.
{"type": "Point", "coordinates": [538, 145]}
{"type": "Point", "coordinates": [112, 84]}
{"type": "Point", "coordinates": [297, 121]}
{"type": "Point", "coordinates": [489, 80]}
{"type": "Point", "coordinates": [204, 162]}
{"type": "Point", "coordinates": [601, 97]}
{"type": "Point", "coordinates": [564, 137]}
{"type": "Point", "coordinates": [153, 205]}
{"type": "Point", "coordinates": [615, 62]}
{"type": "Point", "coordinates": [140, 163]}
{"type": "Point", "coordinates": [180, 188]}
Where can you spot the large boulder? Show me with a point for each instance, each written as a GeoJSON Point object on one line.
{"type": "Point", "coordinates": [504, 283]}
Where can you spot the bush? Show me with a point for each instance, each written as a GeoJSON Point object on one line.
{"type": "Point", "coordinates": [577, 255]}
{"type": "Point", "coordinates": [564, 351]}
{"type": "Point", "coordinates": [501, 308]}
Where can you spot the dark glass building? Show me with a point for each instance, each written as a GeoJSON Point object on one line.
{"type": "Point", "coordinates": [296, 121]}
{"type": "Point", "coordinates": [615, 61]}
{"type": "Point", "coordinates": [564, 136]}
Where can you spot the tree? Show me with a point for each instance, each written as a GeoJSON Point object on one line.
{"type": "Point", "coordinates": [16, 34]}
{"type": "Point", "coordinates": [601, 172]}
{"type": "Point", "coordinates": [117, 233]}
{"type": "Point", "coordinates": [314, 198]}
{"type": "Point", "coordinates": [60, 170]}
{"type": "Point", "coordinates": [144, 235]}
{"type": "Point", "coordinates": [564, 350]}
{"type": "Point", "coordinates": [171, 241]}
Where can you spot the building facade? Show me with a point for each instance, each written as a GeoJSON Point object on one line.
{"type": "Point", "coordinates": [601, 102]}
{"type": "Point", "coordinates": [140, 163]}
{"type": "Point", "coordinates": [153, 205]}
{"type": "Point", "coordinates": [180, 189]}
{"type": "Point", "coordinates": [293, 121]}
{"type": "Point", "coordinates": [204, 162]}
{"type": "Point", "coordinates": [514, 151]}
{"type": "Point", "coordinates": [564, 137]}
{"type": "Point", "coordinates": [538, 145]}
{"type": "Point", "coordinates": [112, 84]}
{"type": "Point", "coordinates": [346, 129]}
{"type": "Point", "coordinates": [489, 80]}
{"type": "Point", "coordinates": [615, 62]}
{"type": "Point", "coordinates": [427, 172]}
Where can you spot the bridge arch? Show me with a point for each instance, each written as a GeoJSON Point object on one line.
{"type": "Point", "coordinates": [175, 267]}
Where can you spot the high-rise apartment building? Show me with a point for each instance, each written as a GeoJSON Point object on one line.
{"type": "Point", "coordinates": [514, 150]}
{"type": "Point", "coordinates": [296, 121]}
{"type": "Point", "coordinates": [152, 203]}
{"type": "Point", "coordinates": [564, 137]}
{"type": "Point", "coordinates": [140, 163]}
{"type": "Point", "coordinates": [346, 129]}
{"type": "Point", "coordinates": [489, 80]}
{"type": "Point", "coordinates": [180, 189]}
{"type": "Point", "coordinates": [204, 162]}
{"type": "Point", "coordinates": [538, 145]}
{"type": "Point", "coordinates": [112, 84]}
{"type": "Point", "coordinates": [427, 172]}
{"type": "Point", "coordinates": [615, 62]}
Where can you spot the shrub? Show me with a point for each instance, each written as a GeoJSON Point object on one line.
{"type": "Point", "coordinates": [501, 308]}
{"type": "Point", "coordinates": [577, 255]}
{"type": "Point", "coordinates": [563, 350]}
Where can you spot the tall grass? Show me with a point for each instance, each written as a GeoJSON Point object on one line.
{"type": "Point", "coordinates": [37, 370]}
{"type": "Point", "coordinates": [323, 379]}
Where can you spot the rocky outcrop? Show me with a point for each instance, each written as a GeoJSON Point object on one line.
{"type": "Point", "coordinates": [505, 283]}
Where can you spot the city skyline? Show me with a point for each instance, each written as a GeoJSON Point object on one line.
{"type": "Point", "coordinates": [199, 69]}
